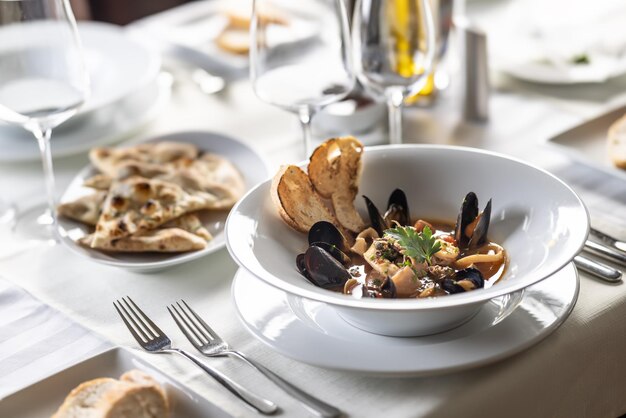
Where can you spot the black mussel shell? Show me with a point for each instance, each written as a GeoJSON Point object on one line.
{"type": "Point", "coordinates": [388, 289]}
{"type": "Point", "coordinates": [472, 274]}
{"type": "Point", "coordinates": [335, 252]}
{"type": "Point", "coordinates": [323, 270]}
{"type": "Point", "coordinates": [479, 237]}
{"type": "Point", "coordinates": [378, 222]}
{"type": "Point", "coordinates": [397, 209]}
{"type": "Point", "coordinates": [301, 265]}
{"type": "Point", "coordinates": [467, 215]}
{"type": "Point", "coordinates": [324, 231]}
{"type": "Point", "coordinates": [450, 286]}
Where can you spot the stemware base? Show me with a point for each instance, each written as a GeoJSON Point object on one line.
{"type": "Point", "coordinates": [28, 227]}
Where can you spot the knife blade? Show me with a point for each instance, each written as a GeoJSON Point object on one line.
{"type": "Point", "coordinates": [605, 252]}
{"type": "Point", "coordinates": [613, 242]}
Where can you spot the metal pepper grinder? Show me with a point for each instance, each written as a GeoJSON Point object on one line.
{"type": "Point", "coordinates": [476, 89]}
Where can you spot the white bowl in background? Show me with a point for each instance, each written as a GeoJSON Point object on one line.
{"type": "Point", "coordinates": [536, 217]}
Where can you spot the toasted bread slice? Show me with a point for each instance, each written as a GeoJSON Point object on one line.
{"type": "Point", "coordinates": [617, 143]}
{"type": "Point", "coordinates": [335, 170]}
{"type": "Point", "coordinates": [296, 200]}
{"type": "Point", "coordinates": [135, 395]}
{"type": "Point", "coordinates": [235, 41]}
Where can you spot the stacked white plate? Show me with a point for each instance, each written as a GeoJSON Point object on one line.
{"type": "Point", "coordinates": [126, 92]}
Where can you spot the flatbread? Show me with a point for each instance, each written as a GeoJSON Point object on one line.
{"type": "Point", "coordinates": [139, 204]}
{"type": "Point", "coordinates": [210, 173]}
{"type": "Point", "coordinates": [85, 209]}
{"type": "Point", "coordinates": [179, 235]}
{"type": "Point", "coordinates": [111, 160]}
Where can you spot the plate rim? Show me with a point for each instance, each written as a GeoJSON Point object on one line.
{"type": "Point", "coordinates": [161, 89]}
{"type": "Point", "coordinates": [528, 343]}
{"type": "Point", "coordinates": [178, 258]}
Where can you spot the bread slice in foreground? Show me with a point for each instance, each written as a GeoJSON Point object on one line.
{"type": "Point", "coordinates": [135, 395]}
{"type": "Point", "coordinates": [617, 143]}
{"type": "Point", "coordinates": [297, 202]}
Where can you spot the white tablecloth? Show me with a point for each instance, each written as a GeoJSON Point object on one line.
{"type": "Point", "coordinates": [577, 371]}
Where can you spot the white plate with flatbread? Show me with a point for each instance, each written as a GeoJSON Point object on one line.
{"type": "Point", "coordinates": [250, 165]}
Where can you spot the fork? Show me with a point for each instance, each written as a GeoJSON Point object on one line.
{"type": "Point", "coordinates": [153, 340]}
{"type": "Point", "coordinates": [205, 340]}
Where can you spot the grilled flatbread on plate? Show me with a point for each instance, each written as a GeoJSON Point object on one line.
{"type": "Point", "coordinates": [209, 173]}
{"type": "Point", "coordinates": [111, 160]}
{"type": "Point", "coordinates": [138, 204]}
{"type": "Point", "coordinates": [85, 209]}
{"type": "Point", "coordinates": [179, 235]}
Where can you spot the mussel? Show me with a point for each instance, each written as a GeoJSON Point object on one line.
{"type": "Point", "coordinates": [324, 231]}
{"type": "Point", "coordinates": [397, 211]}
{"type": "Point", "coordinates": [321, 268]}
{"type": "Point", "coordinates": [463, 281]}
{"type": "Point", "coordinates": [471, 226]}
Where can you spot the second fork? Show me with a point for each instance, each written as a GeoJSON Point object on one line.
{"type": "Point", "coordinates": [205, 340]}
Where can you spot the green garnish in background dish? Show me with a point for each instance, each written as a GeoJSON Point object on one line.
{"type": "Point", "coordinates": [580, 59]}
{"type": "Point", "coordinates": [419, 245]}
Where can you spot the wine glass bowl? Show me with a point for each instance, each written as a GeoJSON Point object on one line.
{"type": "Point", "coordinates": [394, 47]}
{"type": "Point", "coordinates": [305, 75]}
{"type": "Point", "coordinates": [43, 77]}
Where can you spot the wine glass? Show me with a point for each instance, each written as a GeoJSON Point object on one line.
{"type": "Point", "coordinates": [300, 56]}
{"type": "Point", "coordinates": [394, 47]}
{"type": "Point", "coordinates": [43, 82]}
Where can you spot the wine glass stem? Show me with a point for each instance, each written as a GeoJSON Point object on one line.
{"type": "Point", "coordinates": [43, 140]}
{"type": "Point", "coordinates": [305, 115]}
{"type": "Point", "coordinates": [394, 105]}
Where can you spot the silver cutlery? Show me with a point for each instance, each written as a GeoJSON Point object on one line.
{"type": "Point", "coordinates": [597, 269]}
{"type": "Point", "coordinates": [153, 340]}
{"type": "Point", "coordinates": [205, 340]}
{"type": "Point", "coordinates": [605, 252]}
{"type": "Point", "coordinates": [612, 242]}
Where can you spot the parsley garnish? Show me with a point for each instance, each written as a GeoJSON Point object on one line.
{"type": "Point", "coordinates": [420, 246]}
{"type": "Point", "coordinates": [580, 59]}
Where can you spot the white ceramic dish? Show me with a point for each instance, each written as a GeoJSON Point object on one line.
{"type": "Point", "coordinates": [252, 167]}
{"type": "Point", "coordinates": [587, 142]}
{"type": "Point", "coordinates": [189, 31]}
{"type": "Point", "coordinates": [118, 64]}
{"type": "Point", "coordinates": [43, 398]}
{"type": "Point", "coordinates": [537, 218]}
{"type": "Point", "coordinates": [297, 327]}
{"type": "Point", "coordinates": [102, 127]}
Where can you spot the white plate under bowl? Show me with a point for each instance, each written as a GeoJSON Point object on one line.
{"type": "Point", "coordinates": [102, 127]}
{"type": "Point", "coordinates": [42, 399]}
{"type": "Point", "coordinates": [538, 219]}
{"type": "Point", "coordinates": [249, 163]}
{"type": "Point", "coordinates": [298, 327]}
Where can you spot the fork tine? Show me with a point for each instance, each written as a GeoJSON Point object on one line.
{"type": "Point", "coordinates": [196, 343]}
{"type": "Point", "coordinates": [210, 333]}
{"type": "Point", "coordinates": [136, 319]}
{"type": "Point", "coordinates": [140, 339]}
{"type": "Point", "coordinates": [190, 325]}
{"type": "Point", "coordinates": [145, 319]}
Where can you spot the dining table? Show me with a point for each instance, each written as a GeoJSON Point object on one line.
{"type": "Point", "coordinates": [56, 306]}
